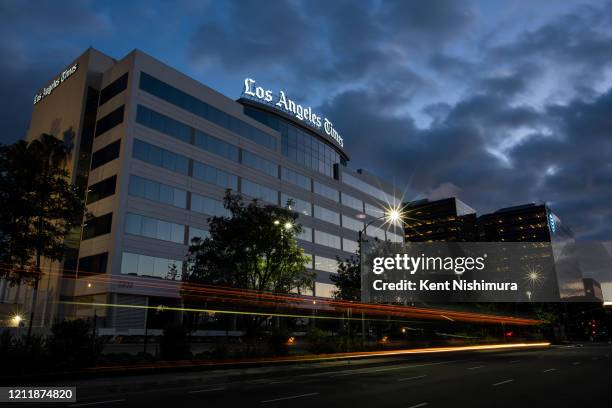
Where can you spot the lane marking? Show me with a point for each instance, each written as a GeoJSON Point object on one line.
{"type": "Point", "coordinates": [475, 368]}
{"type": "Point", "coordinates": [97, 403]}
{"type": "Point", "coordinates": [292, 397]}
{"type": "Point", "coordinates": [422, 404]}
{"type": "Point", "coordinates": [576, 362]}
{"type": "Point", "coordinates": [403, 367]}
{"type": "Point", "coordinates": [514, 361]}
{"type": "Point", "coordinates": [280, 382]}
{"type": "Point", "coordinates": [206, 390]}
{"type": "Point", "coordinates": [549, 370]}
{"type": "Point", "coordinates": [502, 382]}
{"type": "Point", "coordinates": [413, 378]}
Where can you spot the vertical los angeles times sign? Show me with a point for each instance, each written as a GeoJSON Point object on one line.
{"type": "Point", "coordinates": [289, 106]}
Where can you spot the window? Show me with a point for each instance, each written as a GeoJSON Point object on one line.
{"type": "Point", "coordinates": [377, 232]}
{"type": "Point", "coordinates": [106, 154]}
{"type": "Point", "coordinates": [102, 189]}
{"type": "Point", "coordinates": [197, 233]}
{"type": "Point", "coordinates": [204, 110]}
{"type": "Point", "coordinates": [301, 206]}
{"type": "Point", "coordinates": [259, 163]}
{"type": "Point", "coordinates": [152, 190]}
{"type": "Point", "coordinates": [367, 188]}
{"type": "Point", "coordinates": [395, 237]}
{"type": "Point", "coordinates": [207, 205]}
{"type": "Point", "coordinates": [295, 178]}
{"type": "Point", "coordinates": [373, 210]}
{"type": "Point", "coordinates": [326, 215]}
{"type": "Point", "coordinates": [352, 202]}
{"type": "Point", "coordinates": [306, 234]}
{"type": "Point", "coordinates": [260, 192]}
{"type": "Point", "coordinates": [349, 245]}
{"type": "Point", "coordinates": [163, 124]}
{"type": "Point", "coordinates": [93, 263]}
{"type": "Point", "coordinates": [213, 175]}
{"type": "Point", "coordinates": [144, 265]}
{"type": "Point", "coordinates": [110, 121]}
{"type": "Point", "coordinates": [153, 228]}
{"type": "Point", "coordinates": [324, 289]}
{"type": "Point", "coordinates": [325, 191]}
{"type": "Point", "coordinates": [160, 157]}
{"type": "Point", "coordinates": [113, 89]}
{"type": "Point", "coordinates": [97, 226]}
{"type": "Point", "coordinates": [326, 264]}
{"type": "Point", "coordinates": [324, 238]}
{"type": "Point", "coordinates": [216, 146]}
{"type": "Point", "coordinates": [351, 223]}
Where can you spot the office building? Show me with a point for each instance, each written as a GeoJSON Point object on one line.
{"type": "Point", "coordinates": [157, 151]}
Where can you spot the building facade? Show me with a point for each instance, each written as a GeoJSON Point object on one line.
{"type": "Point", "coordinates": [157, 151]}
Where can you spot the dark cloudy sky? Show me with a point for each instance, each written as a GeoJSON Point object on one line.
{"type": "Point", "coordinates": [497, 102]}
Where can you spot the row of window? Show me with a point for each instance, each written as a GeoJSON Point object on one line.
{"type": "Point", "coordinates": [366, 188]}
{"type": "Point", "coordinates": [109, 121]}
{"type": "Point", "coordinates": [141, 225]}
{"type": "Point", "coordinates": [204, 110]}
{"type": "Point", "coordinates": [159, 267]}
{"type": "Point", "coordinates": [113, 89]}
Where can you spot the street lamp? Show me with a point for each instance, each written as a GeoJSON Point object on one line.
{"type": "Point", "coordinates": [392, 215]}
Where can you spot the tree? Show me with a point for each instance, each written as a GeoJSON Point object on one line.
{"type": "Point", "coordinates": [348, 279]}
{"type": "Point", "coordinates": [42, 207]}
{"type": "Point", "coordinates": [253, 248]}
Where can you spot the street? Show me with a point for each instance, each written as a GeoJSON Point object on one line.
{"type": "Point", "coordinates": [556, 376]}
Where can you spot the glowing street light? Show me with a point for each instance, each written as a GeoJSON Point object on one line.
{"type": "Point", "coordinates": [288, 225]}
{"type": "Point", "coordinates": [17, 319]}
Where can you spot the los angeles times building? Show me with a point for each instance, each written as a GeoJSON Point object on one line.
{"type": "Point", "coordinates": [157, 151]}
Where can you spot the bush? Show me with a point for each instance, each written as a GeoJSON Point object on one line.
{"type": "Point", "coordinates": [318, 342]}
{"type": "Point", "coordinates": [72, 345]}
{"type": "Point", "coordinates": [174, 344]}
{"type": "Point", "coordinates": [278, 342]}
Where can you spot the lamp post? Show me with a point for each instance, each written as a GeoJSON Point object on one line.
{"type": "Point", "coordinates": [392, 215]}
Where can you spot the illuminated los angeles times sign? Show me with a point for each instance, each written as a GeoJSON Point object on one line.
{"type": "Point", "coordinates": [56, 82]}
{"type": "Point", "coordinates": [287, 105]}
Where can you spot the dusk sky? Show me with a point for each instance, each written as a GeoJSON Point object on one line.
{"type": "Point", "coordinates": [496, 102]}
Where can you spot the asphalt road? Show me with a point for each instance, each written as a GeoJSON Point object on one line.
{"type": "Point", "coordinates": [558, 376]}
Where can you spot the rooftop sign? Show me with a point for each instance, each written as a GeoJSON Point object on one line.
{"type": "Point", "coordinates": [305, 114]}
{"type": "Point", "coordinates": [56, 82]}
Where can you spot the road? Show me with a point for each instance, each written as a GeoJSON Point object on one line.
{"type": "Point", "coordinates": [557, 376]}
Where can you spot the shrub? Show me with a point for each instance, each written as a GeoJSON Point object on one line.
{"type": "Point", "coordinates": [174, 344]}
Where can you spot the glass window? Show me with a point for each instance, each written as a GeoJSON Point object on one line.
{"type": "Point", "coordinates": [349, 245]}
{"type": "Point", "coordinates": [209, 206]}
{"type": "Point", "coordinates": [110, 121]}
{"type": "Point", "coordinates": [309, 263]}
{"type": "Point", "coordinates": [258, 191]}
{"type": "Point", "coordinates": [213, 175]}
{"type": "Point", "coordinates": [144, 265]}
{"type": "Point", "coordinates": [373, 210]}
{"type": "Point", "coordinates": [367, 188]}
{"type": "Point", "coordinates": [351, 223]}
{"type": "Point", "coordinates": [326, 264]}
{"type": "Point", "coordinates": [198, 232]}
{"type": "Point", "coordinates": [160, 157]}
{"type": "Point", "coordinates": [152, 190]}
{"type": "Point", "coordinates": [377, 232]}
{"type": "Point", "coordinates": [352, 202]}
{"type": "Point", "coordinates": [259, 163]}
{"type": "Point", "coordinates": [324, 289]}
{"type": "Point", "coordinates": [101, 189]}
{"type": "Point", "coordinates": [306, 234]}
{"type": "Point", "coordinates": [301, 206]}
{"type": "Point", "coordinates": [97, 226]}
{"type": "Point", "coordinates": [216, 146]}
{"type": "Point", "coordinates": [164, 124]}
{"type": "Point", "coordinates": [113, 89]}
{"type": "Point", "coordinates": [105, 154]}
{"type": "Point", "coordinates": [326, 191]}
{"type": "Point", "coordinates": [394, 237]}
{"type": "Point", "coordinates": [153, 228]}
{"type": "Point", "coordinates": [295, 178]}
{"type": "Point", "coordinates": [326, 215]}
{"type": "Point", "coordinates": [93, 263]}
{"type": "Point", "coordinates": [200, 108]}
{"type": "Point", "coordinates": [324, 238]}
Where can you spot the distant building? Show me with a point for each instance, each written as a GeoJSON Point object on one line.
{"type": "Point", "coordinates": [448, 220]}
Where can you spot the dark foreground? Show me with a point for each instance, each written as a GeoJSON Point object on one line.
{"type": "Point", "coordinates": [557, 376]}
